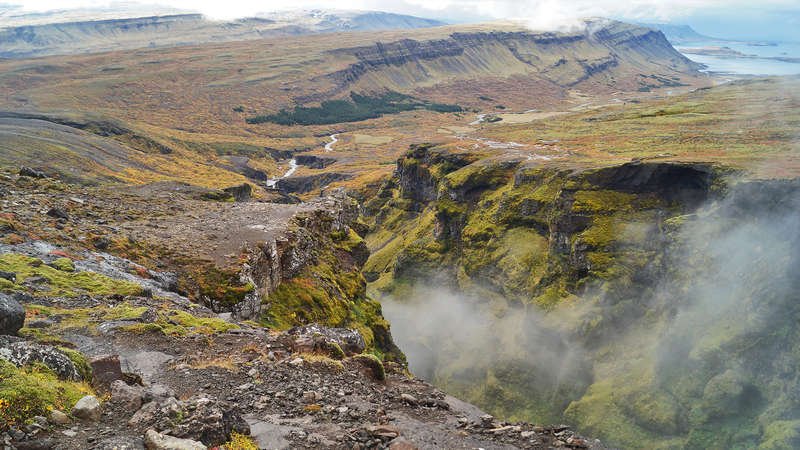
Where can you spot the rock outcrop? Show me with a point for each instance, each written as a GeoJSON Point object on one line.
{"type": "Point", "coordinates": [12, 315]}
{"type": "Point", "coordinates": [22, 353]}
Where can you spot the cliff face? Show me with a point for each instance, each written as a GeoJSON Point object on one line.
{"type": "Point", "coordinates": [40, 38]}
{"type": "Point", "coordinates": [564, 59]}
{"type": "Point", "coordinates": [312, 274]}
{"type": "Point", "coordinates": [627, 300]}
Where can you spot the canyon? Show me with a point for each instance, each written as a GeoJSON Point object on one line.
{"type": "Point", "coordinates": [579, 233]}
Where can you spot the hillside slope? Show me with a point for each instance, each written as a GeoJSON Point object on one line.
{"type": "Point", "coordinates": [40, 38]}
{"type": "Point", "coordinates": [605, 275]}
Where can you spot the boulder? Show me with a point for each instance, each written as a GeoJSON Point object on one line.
{"type": "Point", "coordinates": [59, 418]}
{"type": "Point", "coordinates": [105, 371]}
{"type": "Point", "coordinates": [12, 315]}
{"type": "Point", "coordinates": [206, 420]}
{"type": "Point", "coordinates": [211, 421]}
{"type": "Point", "coordinates": [316, 338]}
{"type": "Point", "coordinates": [154, 440]}
{"type": "Point", "coordinates": [157, 392]}
{"type": "Point", "coordinates": [240, 193]}
{"type": "Point", "coordinates": [87, 408]}
{"type": "Point", "coordinates": [20, 353]}
{"type": "Point", "coordinates": [126, 396]}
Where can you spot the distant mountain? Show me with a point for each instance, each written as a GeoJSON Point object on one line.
{"type": "Point", "coordinates": [92, 31]}
{"type": "Point", "coordinates": [680, 34]}
{"type": "Point", "coordinates": [342, 20]}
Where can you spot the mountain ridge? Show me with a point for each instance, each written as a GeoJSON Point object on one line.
{"type": "Point", "coordinates": [56, 37]}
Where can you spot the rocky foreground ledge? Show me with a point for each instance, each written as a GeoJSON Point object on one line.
{"type": "Point", "coordinates": [308, 387]}
{"type": "Point", "coordinates": [112, 338]}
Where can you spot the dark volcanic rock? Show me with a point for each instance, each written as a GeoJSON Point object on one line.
{"type": "Point", "coordinates": [200, 418]}
{"type": "Point", "coordinates": [58, 213]}
{"type": "Point", "coordinates": [311, 338]}
{"type": "Point", "coordinates": [12, 315]}
{"type": "Point", "coordinates": [32, 173]}
{"type": "Point", "coordinates": [314, 162]}
{"type": "Point", "coordinates": [240, 193]}
{"type": "Point", "coordinates": [10, 276]}
{"type": "Point", "coordinates": [105, 371]}
{"type": "Point", "coordinates": [20, 353]}
{"type": "Point", "coordinates": [301, 185]}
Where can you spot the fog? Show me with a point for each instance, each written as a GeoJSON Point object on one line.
{"type": "Point", "coordinates": [706, 307]}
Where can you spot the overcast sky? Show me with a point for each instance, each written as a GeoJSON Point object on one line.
{"type": "Point", "coordinates": [766, 19]}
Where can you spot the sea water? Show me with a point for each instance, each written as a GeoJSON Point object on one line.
{"type": "Point", "coordinates": [760, 65]}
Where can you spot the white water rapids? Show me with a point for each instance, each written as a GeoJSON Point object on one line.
{"type": "Point", "coordinates": [272, 183]}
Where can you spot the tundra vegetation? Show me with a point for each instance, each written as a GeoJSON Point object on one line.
{"type": "Point", "coordinates": [621, 258]}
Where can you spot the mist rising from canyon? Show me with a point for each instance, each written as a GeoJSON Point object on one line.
{"type": "Point", "coordinates": [705, 309]}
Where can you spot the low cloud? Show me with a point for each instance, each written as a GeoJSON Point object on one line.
{"type": "Point", "coordinates": [537, 14]}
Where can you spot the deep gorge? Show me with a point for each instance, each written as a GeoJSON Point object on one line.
{"type": "Point", "coordinates": [650, 304]}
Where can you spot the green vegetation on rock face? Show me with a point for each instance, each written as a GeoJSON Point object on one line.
{"type": "Point", "coordinates": [362, 107]}
{"type": "Point", "coordinates": [679, 321]}
{"type": "Point", "coordinates": [332, 292]}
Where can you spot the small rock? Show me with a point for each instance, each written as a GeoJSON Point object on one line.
{"type": "Point", "coordinates": [527, 434]}
{"type": "Point", "coordinates": [58, 213]}
{"type": "Point", "coordinates": [311, 397]}
{"type": "Point", "coordinates": [157, 392]}
{"type": "Point", "coordinates": [87, 408]}
{"type": "Point", "coordinates": [10, 276]}
{"type": "Point", "coordinates": [241, 193]}
{"type": "Point", "coordinates": [59, 418]}
{"type": "Point", "coordinates": [408, 398]}
{"type": "Point", "coordinates": [297, 362]}
{"type": "Point", "coordinates": [101, 242]}
{"type": "Point", "coordinates": [21, 353]}
{"type": "Point", "coordinates": [154, 440]}
{"type": "Point", "coordinates": [401, 443]}
{"type": "Point", "coordinates": [487, 421]}
{"type": "Point", "coordinates": [128, 397]}
{"type": "Point", "coordinates": [384, 431]}
{"type": "Point", "coordinates": [69, 433]}
{"type": "Point", "coordinates": [12, 315]}
{"type": "Point", "coordinates": [31, 173]}
{"type": "Point", "coordinates": [36, 444]}
{"type": "Point", "coordinates": [119, 443]}
{"type": "Point", "coordinates": [40, 420]}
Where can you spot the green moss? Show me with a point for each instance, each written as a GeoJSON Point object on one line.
{"type": "Point", "coordinates": [61, 283]}
{"type": "Point", "coordinates": [168, 322]}
{"type": "Point", "coordinates": [602, 201]}
{"type": "Point", "coordinates": [347, 241]}
{"type": "Point", "coordinates": [598, 413]}
{"type": "Point", "coordinates": [181, 323]}
{"type": "Point", "coordinates": [80, 362]}
{"type": "Point", "coordinates": [478, 176]}
{"type": "Point", "coordinates": [334, 350]}
{"type": "Point", "coordinates": [209, 283]}
{"type": "Point", "coordinates": [602, 233]}
{"type": "Point", "coordinates": [64, 265]}
{"type": "Point", "coordinates": [124, 311]}
{"type": "Point", "coordinates": [30, 391]}
{"type": "Point", "coordinates": [781, 434]}
{"type": "Point", "coordinates": [374, 365]}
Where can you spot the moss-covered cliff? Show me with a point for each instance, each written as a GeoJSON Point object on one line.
{"type": "Point", "coordinates": [649, 303]}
